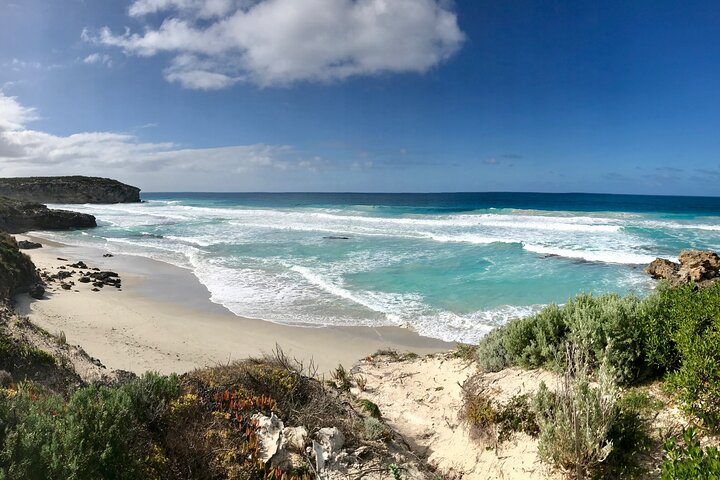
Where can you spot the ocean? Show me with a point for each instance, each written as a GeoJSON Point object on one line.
{"type": "Point", "coordinates": [449, 266]}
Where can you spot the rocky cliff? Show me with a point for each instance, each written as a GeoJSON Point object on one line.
{"type": "Point", "coordinates": [17, 272]}
{"type": "Point", "coordinates": [76, 189]}
{"type": "Point", "coordinates": [17, 217]}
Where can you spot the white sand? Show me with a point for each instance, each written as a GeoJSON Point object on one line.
{"type": "Point", "coordinates": [422, 399]}
{"type": "Point", "coordinates": [162, 320]}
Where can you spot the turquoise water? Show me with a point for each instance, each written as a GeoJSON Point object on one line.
{"type": "Point", "coordinates": [450, 266]}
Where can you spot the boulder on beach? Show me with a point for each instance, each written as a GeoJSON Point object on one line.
{"type": "Point", "coordinates": [28, 245]}
{"type": "Point", "coordinates": [37, 291]}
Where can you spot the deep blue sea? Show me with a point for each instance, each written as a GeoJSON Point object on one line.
{"type": "Point", "coordinates": [450, 266]}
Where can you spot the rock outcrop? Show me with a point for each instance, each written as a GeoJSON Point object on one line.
{"type": "Point", "coordinates": [700, 267]}
{"type": "Point", "coordinates": [75, 189]}
{"type": "Point", "coordinates": [17, 272]}
{"type": "Point", "coordinates": [17, 217]}
{"type": "Point", "coordinates": [28, 245]}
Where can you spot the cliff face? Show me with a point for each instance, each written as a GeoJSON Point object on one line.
{"type": "Point", "coordinates": [17, 217]}
{"type": "Point", "coordinates": [17, 271]}
{"type": "Point", "coordinates": [75, 189]}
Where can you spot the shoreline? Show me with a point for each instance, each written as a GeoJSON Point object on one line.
{"type": "Point", "coordinates": [163, 320]}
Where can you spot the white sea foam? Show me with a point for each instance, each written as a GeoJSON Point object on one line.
{"type": "Point", "coordinates": [469, 238]}
{"type": "Point", "coordinates": [393, 306]}
{"type": "Point", "coordinates": [607, 256]}
{"type": "Point", "coordinates": [469, 328]}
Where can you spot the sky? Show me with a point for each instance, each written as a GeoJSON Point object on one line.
{"type": "Point", "coordinates": [365, 95]}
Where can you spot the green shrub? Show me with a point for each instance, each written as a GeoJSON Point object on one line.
{"type": "Point", "coordinates": [516, 415]}
{"type": "Point", "coordinates": [491, 353]}
{"type": "Point", "coordinates": [99, 436]}
{"type": "Point", "coordinates": [534, 341]}
{"type": "Point", "coordinates": [575, 421]}
{"type": "Point", "coordinates": [630, 435]}
{"type": "Point", "coordinates": [690, 461]}
{"type": "Point", "coordinates": [29, 428]}
{"type": "Point", "coordinates": [658, 325]}
{"type": "Point", "coordinates": [606, 326]}
{"type": "Point", "coordinates": [479, 411]}
{"type": "Point", "coordinates": [698, 341]}
{"type": "Point", "coordinates": [370, 408]}
{"type": "Point", "coordinates": [464, 351]}
{"type": "Point", "coordinates": [14, 354]}
{"type": "Point", "coordinates": [94, 435]}
{"type": "Point", "coordinates": [151, 395]}
{"type": "Point", "coordinates": [375, 429]}
{"type": "Point", "coordinates": [682, 333]}
{"type": "Point", "coordinates": [341, 379]}
{"type": "Point", "coordinates": [498, 421]}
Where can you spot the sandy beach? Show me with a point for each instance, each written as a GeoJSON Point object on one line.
{"type": "Point", "coordinates": [162, 320]}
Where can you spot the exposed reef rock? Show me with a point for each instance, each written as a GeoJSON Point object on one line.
{"type": "Point", "coordinates": [67, 274]}
{"type": "Point", "coordinates": [700, 267]}
{"type": "Point", "coordinates": [75, 189]}
{"type": "Point", "coordinates": [17, 217]}
{"type": "Point", "coordinates": [17, 272]}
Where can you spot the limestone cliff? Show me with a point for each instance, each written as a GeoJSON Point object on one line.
{"type": "Point", "coordinates": [17, 217]}
{"type": "Point", "coordinates": [75, 189]}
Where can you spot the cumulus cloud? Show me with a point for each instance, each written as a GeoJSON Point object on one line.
{"type": "Point", "coordinates": [278, 42]}
{"type": "Point", "coordinates": [24, 151]}
{"type": "Point", "coordinates": [13, 115]}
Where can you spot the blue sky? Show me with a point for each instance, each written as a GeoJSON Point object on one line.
{"type": "Point", "coordinates": [364, 95]}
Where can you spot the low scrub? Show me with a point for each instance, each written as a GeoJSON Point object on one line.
{"type": "Point", "coordinates": [575, 421]}
{"type": "Point", "coordinates": [688, 460]}
{"type": "Point", "coordinates": [674, 332]}
{"type": "Point", "coordinates": [489, 420]}
{"type": "Point", "coordinates": [604, 326]}
{"type": "Point", "coordinates": [162, 427]}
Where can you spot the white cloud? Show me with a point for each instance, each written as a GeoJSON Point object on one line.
{"type": "Point", "coordinates": [199, 8]}
{"type": "Point", "coordinates": [102, 59]}
{"type": "Point", "coordinates": [13, 115]}
{"type": "Point", "coordinates": [24, 151]}
{"type": "Point", "coordinates": [278, 42]}
{"type": "Point", "coordinates": [192, 73]}
{"type": "Point", "coordinates": [17, 64]}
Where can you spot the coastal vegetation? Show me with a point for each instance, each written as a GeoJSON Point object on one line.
{"type": "Point", "coordinates": [599, 345]}
{"type": "Point", "coordinates": [208, 424]}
